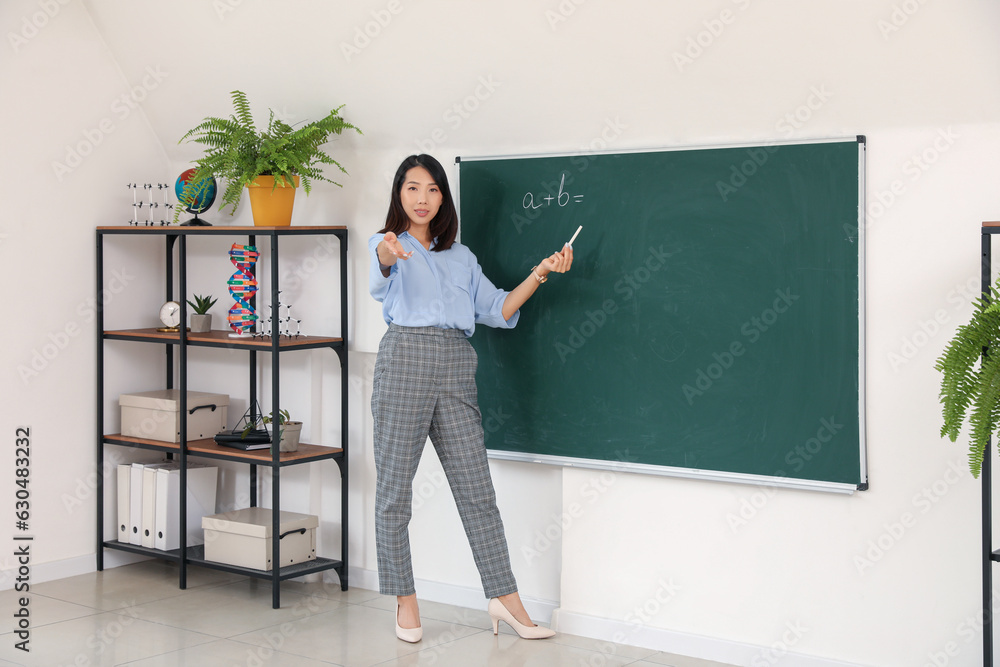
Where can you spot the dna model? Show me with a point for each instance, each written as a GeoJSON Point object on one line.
{"type": "Point", "coordinates": [242, 287]}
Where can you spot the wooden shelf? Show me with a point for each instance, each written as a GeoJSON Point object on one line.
{"type": "Point", "coordinates": [221, 339]}
{"type": "Point", "coordinates": [210, 449]}
{"type": "Point", "coordinates": [221, 230]}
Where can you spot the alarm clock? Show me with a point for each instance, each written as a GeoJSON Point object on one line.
{"type": "Point", "coordinates": [170, 315]}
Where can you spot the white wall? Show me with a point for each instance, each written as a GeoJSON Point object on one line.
{"type": "Point", "coordinates": [655, 559]}
{"type": "Point", "coordinates": [70, 144]}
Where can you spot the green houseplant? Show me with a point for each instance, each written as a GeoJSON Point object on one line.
{"type": "Point", "coordinates": [288, 431]}
{"type": "Point", "coordinates": [970, 385]}
{"type": "Point", "coordinates": [201, 319]}
{"type": "Point", "coordinates": [277, 157]}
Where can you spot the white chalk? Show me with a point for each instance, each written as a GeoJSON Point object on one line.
{"type": "Point", "coordinates": [575, 235]}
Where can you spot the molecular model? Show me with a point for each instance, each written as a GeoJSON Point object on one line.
{"type": "Point", "coordinates": [280, 325]}
{"type": "Point", "coordinates": [138, 205]}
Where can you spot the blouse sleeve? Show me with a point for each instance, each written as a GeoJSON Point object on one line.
{"type": "Point", "coordinates": [378, 285]}
{"type": "Point", "coordinates": [489, 302]}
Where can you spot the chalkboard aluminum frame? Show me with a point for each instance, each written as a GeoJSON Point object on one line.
{"type": "Point", "coordinates": [706, 474]}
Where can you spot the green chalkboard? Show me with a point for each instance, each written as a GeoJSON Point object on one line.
{"type": "Point", "coordinates": [712, 319]}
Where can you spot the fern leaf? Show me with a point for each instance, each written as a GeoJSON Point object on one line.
{"type": "Point", "coordinates": [966, 390]}
{"type": "Point", "coordinates": [983, 418]}
{"type": "Point", "coordinates": [242, 107]}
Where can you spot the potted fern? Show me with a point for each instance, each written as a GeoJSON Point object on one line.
{"type": "Point", "coordinates": [201, 319]}
{"type": "Point", "coordinates": [970, 385]}
{"type": "Point", "coordinates": [270, 163]}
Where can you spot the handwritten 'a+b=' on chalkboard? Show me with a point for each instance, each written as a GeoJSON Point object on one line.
{"type": "Point", "coordinates": [562, 198]}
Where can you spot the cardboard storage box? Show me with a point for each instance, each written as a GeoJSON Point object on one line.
{"type": "Point", "coordinates": [154, 414]}
{"type": "Point", "coordinates": [243, 538]}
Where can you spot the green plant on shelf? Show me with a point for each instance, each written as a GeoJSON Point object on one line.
{"type": "Point", "coordinates": [238, 152]}
{"type": "Point", "coordinates": [202, 304]}
{"type": "Point", "coordinates": [282, 418]}
{"type": "Point", "coordinates": [970, 385]}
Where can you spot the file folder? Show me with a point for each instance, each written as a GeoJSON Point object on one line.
{"type": "Point", "coordinates": [135, 501]}
{"type": "Point", "coordinates": [135, 505]}
{"type": "Point", "coordinates": [148, 528]}
{"type": "Point", "coordinates": [201, 485]}
{"type": "Point", "coordinates": [124, 501]}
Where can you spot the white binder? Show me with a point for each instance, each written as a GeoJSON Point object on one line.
{"type": "Point", "coordinates": [135, 505]}
{"type": "Point", "coordinates": [148, 530]}
{"type": "Point", "coordinates": [201, 484]}
{"type": "Point", "coordinates": [124, 501]}
{"type": "Point", "coordinates": [135, 501]}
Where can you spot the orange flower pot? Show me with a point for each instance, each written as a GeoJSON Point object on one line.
{"type": "Point", "coordinates": [271, 206]}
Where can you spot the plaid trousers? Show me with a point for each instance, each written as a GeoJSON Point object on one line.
{"type": "Point", "coordinates": [425, 385]}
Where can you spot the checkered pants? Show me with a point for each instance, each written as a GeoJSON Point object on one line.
{"type": "Point", "coordinates": [425, 385]}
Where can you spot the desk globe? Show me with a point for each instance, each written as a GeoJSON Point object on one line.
{"type": "Point", "coordinates": [203, 199]}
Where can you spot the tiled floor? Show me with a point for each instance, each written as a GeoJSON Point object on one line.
{"type": "Point", "coordinates": [136, 615]}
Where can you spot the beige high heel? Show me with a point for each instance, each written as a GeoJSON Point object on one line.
{"type": "Point", "coordinates": [412, 635]}
{"type": "Point", "coordinates": [498, 613]}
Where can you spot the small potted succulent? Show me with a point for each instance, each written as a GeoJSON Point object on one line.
{"type": "Point", "coordinates": [201, 319]}
{"type": "Point", "coordinates": [289, 431]}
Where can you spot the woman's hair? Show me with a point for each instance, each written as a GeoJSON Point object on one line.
{"type": "Point", "coordinates": [444, 226]}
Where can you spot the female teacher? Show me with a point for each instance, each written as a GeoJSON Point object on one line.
{"type": "Point", "coordinates": [433, 293]}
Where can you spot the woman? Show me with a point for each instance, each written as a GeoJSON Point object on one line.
{"type": "Point", "coordinates": [433, 293]}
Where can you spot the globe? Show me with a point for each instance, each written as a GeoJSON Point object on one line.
{"type": "Point", "coordinates": [204, 199]}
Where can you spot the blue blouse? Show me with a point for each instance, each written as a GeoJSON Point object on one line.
{"type": "Point", "coordinates": [444, 289]}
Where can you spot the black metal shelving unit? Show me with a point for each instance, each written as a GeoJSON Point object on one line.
{"type": "Point", "coordinates": [181, 341]}
{"type": "Point", "coordinates": [989, 555]}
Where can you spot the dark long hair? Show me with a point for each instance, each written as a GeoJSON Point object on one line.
{"type": "Point", "coordinates": [444, 226]}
